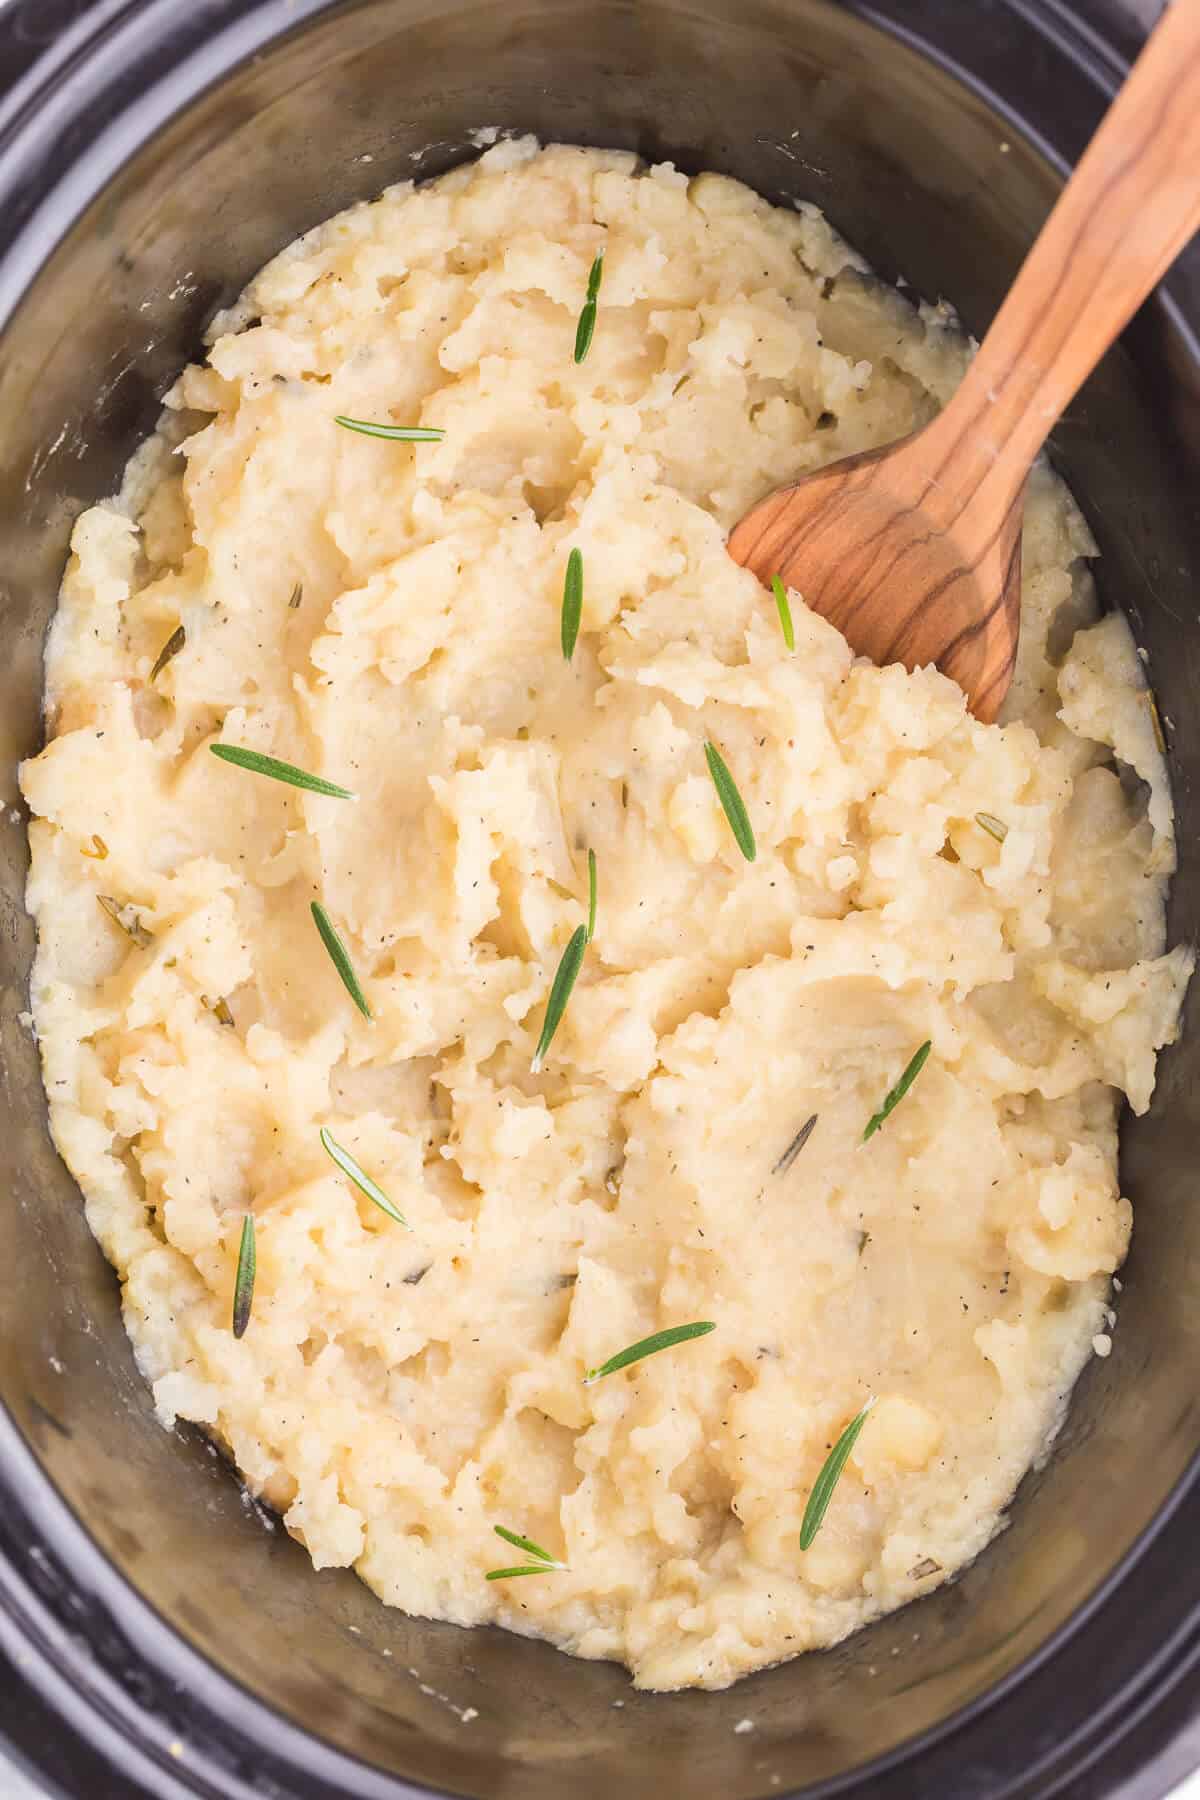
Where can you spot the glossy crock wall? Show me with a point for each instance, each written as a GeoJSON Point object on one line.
{"type": "Point", "coordinates": [803, 99]}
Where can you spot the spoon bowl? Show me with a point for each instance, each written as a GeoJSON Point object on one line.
{"type": "Point", "coordinates": [914, 551]}
{"type": "Point", "coordinates": [872, 545]}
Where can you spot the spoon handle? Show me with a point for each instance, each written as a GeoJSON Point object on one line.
{"type": "Point", "coordinates": [1129, 208]}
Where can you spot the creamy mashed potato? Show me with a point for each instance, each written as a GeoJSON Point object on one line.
{"type": "Point", "coordinates": [387, 615]}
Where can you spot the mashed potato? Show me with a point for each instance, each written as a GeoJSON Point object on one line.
{"type": "Point", "coordinates": [387, 615]}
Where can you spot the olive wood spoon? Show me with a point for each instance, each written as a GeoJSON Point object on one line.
{"type": "Point", "coordinates": [914, 551]}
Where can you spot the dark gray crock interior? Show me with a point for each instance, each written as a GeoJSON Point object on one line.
{"type": "Point", "coordinates": [802, 98]}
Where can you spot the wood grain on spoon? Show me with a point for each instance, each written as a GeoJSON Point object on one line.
{"type": "Point", "coordinates": [914, 551]}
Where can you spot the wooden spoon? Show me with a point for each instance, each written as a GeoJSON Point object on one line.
{"type": "Point", "coordinates": [914, 551]}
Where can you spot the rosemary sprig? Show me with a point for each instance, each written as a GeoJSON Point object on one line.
{"type": "Point", "coordinates": [785, 611]}
{"type": "Point", "coordinates": [128, 919]}
{"type": "Point", "coordinates": [172, 647]}
{"type": "Point", "coordinates": [362, 1181]}
{"type": "Point", "coordinates": [339, 956]}
{"type": "Point", "coordinates": [593, 895]}
{"type": "Point", "coordinates": [827, 1480]}
{"type": "Point", "coordinates": [732, 804]}
{"type": "Point", "coordinates": [586, 329]}
{"type": "Point", "coordinates": [649, 1346]}
{"type": "Point", "coordinates": [560, 992]}
{"type": "Point", "coordinates": [572, 603]}
{"type": "Point", "coordinates": [404, 434]}
{"type": "Point", "coordinates": [992, 825]}
{"type": "Point", "coordinates": [544, 1563]}
{"type": "Point", "coordinates": [795, 1147]}
{"type": "Point", "coordinates": [258, 764]}
{"type": "Point", "coordinates": [895, 1095]}
{"type": "Point", "coordinates": [243, 1287]}
{"type": "Point", "coordinates": [523, 1543]}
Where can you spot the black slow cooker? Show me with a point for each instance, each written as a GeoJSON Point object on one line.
{"type": "Point", "coordinates": [162, 1636]}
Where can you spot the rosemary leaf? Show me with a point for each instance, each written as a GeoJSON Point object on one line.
{"type": "Point", "coordinates": [827, 1480]}
{"type": "Point", "coordinates": [896, 1094]}
{"type": "Point", "coordinates": [527, 1544]}
{"type": "Point", "coordinates": [992, 825]}
{"type": "Point", "coordinates": [540, 1568]}
{"type": "Point", "coordinates": [297, 596]}
{"type": "Point", "coordinates": [732, 804]}
{"type": "Point", "coordinates": [243, 1287]}
{"type": "Point", "coordinates": [560, 992]}
{"type": "Point", "coordinates": [785, 611]}
{"type": "Point", "coordinates": [592, 896]}
{"type": "Point", "coordinates": [128, 920]}
{"type": "Point", "coordinates": [572, 603]}
{"type": "Point", "coordinates": [404, 434]}
{"type": "Point", "coordinates": [362, 1181]}
{"type": "Point", "coordinates": [340, 957]}
{"type": "Point", "coordinates": [795, 1147]}
{"type": "Point", "coordinates": [585, 330]}
{"type": "Point", "coordinates": [219, 1010]}
{"type": "Point", "coordinates": [649, 1346]}
{"type": "Point", "coordinates": [258, 764]}
{"type": "Point", "coordinates": [172, 647]}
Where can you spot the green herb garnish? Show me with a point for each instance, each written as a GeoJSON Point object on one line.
{"type": "Point", "coordinates": [592, 896]}
{"type": "Point", "coordinates": [172, 647]}
{"type": "Point", "coordinates": [219, 1010]}
{"type": "Point", "coordinates": [523, 1543]}
{"type": "Point", "coordinates": [572, 603]}
{"type": "Point", "coordinates": [362, 1181]}
{"type": "Point", "coordinates": [258, 764]}
{"type": "Point", "coordinates": [732, 804]}
{"type": "Point", "coordinates": [543, 1564]}
{"type": "Point", "coordinates": [243, 1287]}
{"type": "Point", "coordinates": [795, 1147]}
{"type": "Point", "coordinates": [404, 434]}
{"type": "Point", "coordinates": [992, 825]}
{"type": "Point", "coordinates": [340, 957]}
{"type": "Point", "coordinates": [785, 611]}
{"type": "Point", "coordinates": [560, 992]}
{"type": "Point", "coordinates": [128, 919]}
{"type": "Point", "coordinates": [827, 1480]}
{"type": "Point", "coordinates": [649, 1346]}
{"type": "Point", "coordinates": [896, 1094]}
{"type": "Point", "coordinates": [586, 328]}
{"type": "Point", "coordinates": [297, 596]}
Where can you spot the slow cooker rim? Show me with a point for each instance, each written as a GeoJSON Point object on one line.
{"type": "Point", "coordinates": [113, 44]}
{"type": "Point", "coordinates": [31, 126]}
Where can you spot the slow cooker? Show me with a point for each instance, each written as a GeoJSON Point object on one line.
{"type": "Point", "coordinates": [162, 1636]}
